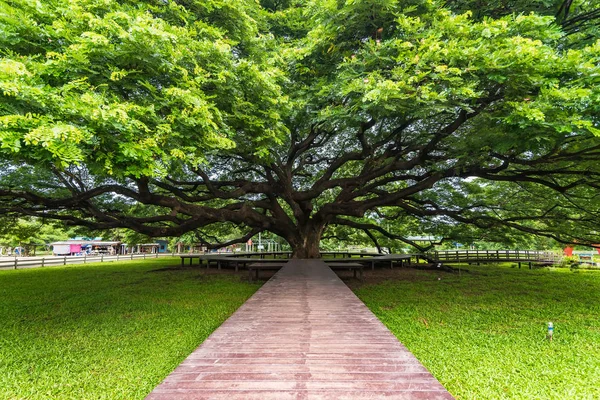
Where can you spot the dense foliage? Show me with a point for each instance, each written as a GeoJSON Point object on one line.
{"type": "Point", "coordinates": [30, 234]}
{"type": "Point", "coordinates": [166, 117]}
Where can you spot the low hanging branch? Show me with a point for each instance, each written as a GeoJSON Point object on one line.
{"type": "Point", "coordinates": [243, 239]}
{"type": "Point", "coordinates": [373, 239]}
{"type": "Point", "coordinates": [367, 227]}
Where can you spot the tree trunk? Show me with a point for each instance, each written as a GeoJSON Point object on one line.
{"type": "Point", "coordinates": [305, 243]}
{"type": "Point", "coordinates": [309, 250]}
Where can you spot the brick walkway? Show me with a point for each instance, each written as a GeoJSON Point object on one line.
{"type": "Point", "coordinates": [303, 335]}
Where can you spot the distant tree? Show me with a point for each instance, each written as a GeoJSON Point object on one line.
{"type": "Point", "coordinates": [29, 232]}
{"type": "Point", "coordinates": [299, 118]}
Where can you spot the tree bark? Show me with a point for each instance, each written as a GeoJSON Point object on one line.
{"type": "Point", "coordinates": [305, 243]}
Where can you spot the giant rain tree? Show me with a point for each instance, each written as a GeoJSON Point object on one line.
{"type": "Point", "coordinates": [293, 117]}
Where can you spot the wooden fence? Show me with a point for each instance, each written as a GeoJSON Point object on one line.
{"type": "Point", "coordinates": [473, 256]}
{"type": "Point", "coordinates": [34, 262]}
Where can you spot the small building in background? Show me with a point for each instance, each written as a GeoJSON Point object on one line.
{"type": "Point", "coordinates": [73, 247]}
{"type": "Point", "coordinates": [160, 246]}
{"type": "Point", "coordinates": [181, 248]}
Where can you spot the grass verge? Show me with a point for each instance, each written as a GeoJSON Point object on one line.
{"type": "Point", "coordinates": [483, 333]}
{"type": "Point", "coordinates": [106, 331]}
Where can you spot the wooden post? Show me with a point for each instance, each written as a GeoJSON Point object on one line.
{"type": "Point", "coordinates": [16, 262]}
{"type": "Point", "coordinates": [84, 258]}
{"type": "Point", "coordinates": [42, 262]}
{"type": "Point", "coordinates": [65, 261]}
{"type": "Point", "coordinates": [101, 257]}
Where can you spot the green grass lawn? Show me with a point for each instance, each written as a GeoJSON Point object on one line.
{"type": "Point", "coordinates": [483, 334]}
{"type": "Point", "coordinates": [105, 331]}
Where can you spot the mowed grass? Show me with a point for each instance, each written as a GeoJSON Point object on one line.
{"type": "Point", "coordinates": [106, 331]}
{"type": "Point", "coordinates": [483, 334]}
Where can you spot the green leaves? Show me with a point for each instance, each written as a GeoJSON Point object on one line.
{"type": "Point", "coordinates": [121, 86]}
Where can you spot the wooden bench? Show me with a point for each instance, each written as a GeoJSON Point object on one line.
{"type": "Point", "coordinates": [402, 259]}
{"type": "Point", "coordinates": [200, 257]}
{"type": "Point", "coordinates": [354, 267]}
{"type": "Point", "coordinates": [243, 262]}
{"type": "Point", "coordinates": [392, 259]}
{"type": "Point", "coordinates": [262, 267]}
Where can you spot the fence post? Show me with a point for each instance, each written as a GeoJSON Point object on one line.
{"type": "Point", "coordinates": [84, 258]}
{"type": "Point", "coordinates": [65, 261]}
{"type": "Point", "coordinates": [144, 256]}
{"type": "Point", "coordinates": [132, 256]}
{"type": "Point", "coordinates": [16, 262]}
{"type": "Point", "coordinates": [101, 257]}
{"type": "Point", "coordinates": [117, 256]}
{"type": "Point", "coordinates": [155, 255]}
{"type": "Point", "coordinates": [43, 262]}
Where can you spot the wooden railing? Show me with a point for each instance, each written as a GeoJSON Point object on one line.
{"type": "Point", "coordinates": [495, 255]}
{"type": "Point", "coordinates": [33, 262]}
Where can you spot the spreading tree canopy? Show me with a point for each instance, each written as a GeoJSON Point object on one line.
{"type": "Point", "coordinates": [301, 117]}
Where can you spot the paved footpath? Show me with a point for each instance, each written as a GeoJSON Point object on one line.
{"type": "Point", "coordinates": [303, 335]}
